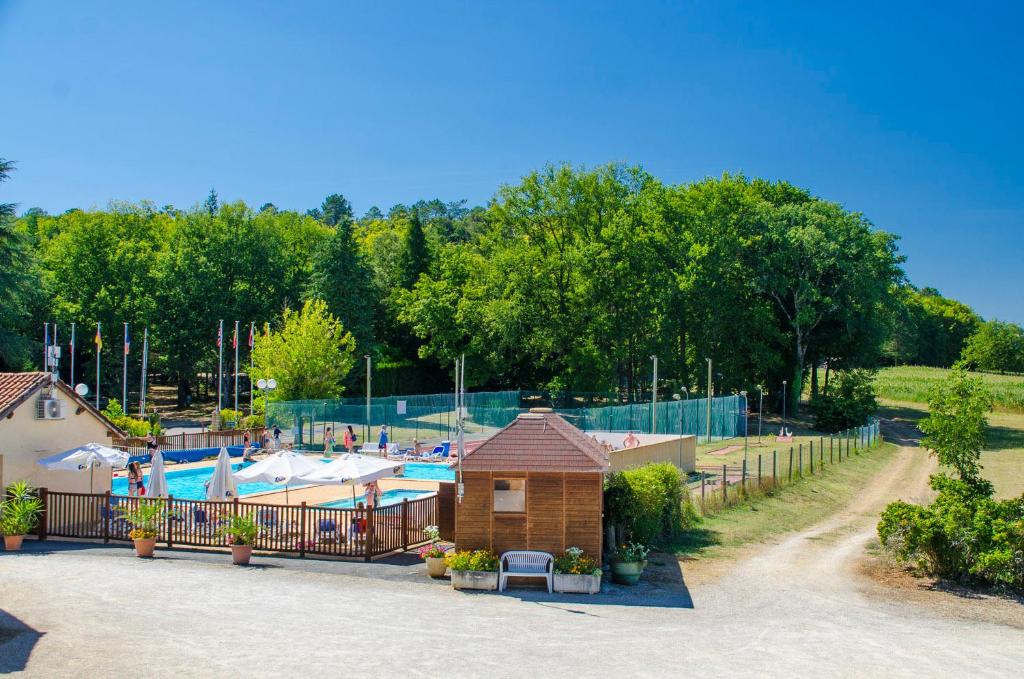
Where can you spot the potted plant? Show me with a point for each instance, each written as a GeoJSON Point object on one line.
{"type": "Point", "coordinates": [577, 572]}
{"type": "Point", "coordinates": [433, 554]}
{"type": "Point", "coordinates": [628, 563]}
{"type": "Point", "coordinates": [473, 570]}
{"type": "Point", "coordinates": [19, 513]}
{"type": "Point", "coordinates": [146, 516]}
{"type": "Point", "coordinates": [240, 532]}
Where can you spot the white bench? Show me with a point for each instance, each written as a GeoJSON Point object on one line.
{"type": "Point", "coordinates": [525, 564]}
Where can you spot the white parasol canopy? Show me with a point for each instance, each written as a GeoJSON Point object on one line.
{"type": "Point", "coordinates": [221, 485]}
{"type": "Point", "coordinates": [157, 477]}
{"type": "Point", "coordinates": [282, 468]}
{"type": "Point", "coordinates": [90, 456]}
{"type": "Point", "coordinates": [353, 469]}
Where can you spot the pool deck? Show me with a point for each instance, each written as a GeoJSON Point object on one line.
{"type": "Point", "coordinates": [312, 495]}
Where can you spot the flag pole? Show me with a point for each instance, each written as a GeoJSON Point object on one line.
{"type": "Point", "coordinates": [234, 341]}
{"type": "Point", "coordinates": [46, 347]}
{"type": "Point", "coordinates": [55, 345]}
{"type": "Point", "coordinates": [71, 381]}
{"type": "Point", "coordinates": [99, 348]}
{"type": "Point", "coordinates": [220, 368]}
{"type": "Point", "coordinates": [145, 366]}
{"type": "Point", "coordinates": [124, 372]}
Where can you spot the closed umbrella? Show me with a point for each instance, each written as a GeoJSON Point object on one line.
{"type": "Point", "coordinates": [222, 484]}
{"type": "Point", "coordinates": [157, 477]}
{"type": "Point", "coordinates": [282, 468]}
{"type": "Point", "coordinates": [90, 456]}
{"type": "Point", "coordinates": [351, 470]}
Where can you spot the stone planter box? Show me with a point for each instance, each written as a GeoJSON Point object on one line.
{"type": "Point", "coordinates": [577, 584]}
{"type": "Point", "coordinates": [486, 580]}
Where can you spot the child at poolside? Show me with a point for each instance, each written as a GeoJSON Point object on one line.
{"type": "Point", "coordinates": [328, 442]}
{"type": "Point", "coordinates": [349, 440]}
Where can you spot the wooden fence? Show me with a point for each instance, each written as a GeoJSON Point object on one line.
{"type": "Point", "coordinates": [724, 485]}
{"type": "Point", "coordinates": [302, 529]}
{"type": "Point", "coordinates": [136, 445]}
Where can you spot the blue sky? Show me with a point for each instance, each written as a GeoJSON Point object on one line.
{"type": "Point", "coordinates": [910, 114]}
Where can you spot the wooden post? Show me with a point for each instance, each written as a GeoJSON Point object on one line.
{"type": "Point", "coordinates": [106, 517]}
{"type": "Point", "coordinates": [812, 458]}
{"type": "Point", "coordinates": [368, 541]}
{"type": "Point", "coordinates": [759, 483]}
{"type": "Point", "coordinates": [821, 451]}
{"type": "Point", "coordinates": [170, 517]}
{"type": "Point", "coordinates": [725, 485]}
{"type": "Point", "coordinates": [800, 462]}
{"type": "Point", "coordinates": [405, 525]}
{"type": "Point", "coordinates": [702, 489]}
{"type": "Point", "coordinates": [775, 467]}
{"type": "Point", "coordinates": [44, 496]}
{"type": "Point", "coordinates": [743, 477]}
{"type": "Point", "coordinates": [791, 464]}
{"type": "Point", "coordinates": [302, 529]}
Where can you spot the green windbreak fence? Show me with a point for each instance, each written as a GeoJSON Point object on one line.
{"type": "Point", "coordinates": [431, 417]}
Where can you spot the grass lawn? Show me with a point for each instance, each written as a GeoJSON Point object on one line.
{"type": "Point", "coordinates": [792, 508]}
{"type": "Point", "coordinates": [1002, 460]}
{"type": "Point", "coordinates": [910, 384]}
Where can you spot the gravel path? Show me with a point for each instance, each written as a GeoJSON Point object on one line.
{"type": "Point", "coordinates": [794, 608]}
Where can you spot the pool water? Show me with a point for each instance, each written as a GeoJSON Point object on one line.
{"type": "Point", "coordinates": [429, 471]}
{"type": "Point", "coordinates": [388, 497]}
{"type": "Point", "coordinates": [190, 484]}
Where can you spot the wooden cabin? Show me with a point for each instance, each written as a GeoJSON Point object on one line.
{"type": "Point", "coordinates": [536, 484]}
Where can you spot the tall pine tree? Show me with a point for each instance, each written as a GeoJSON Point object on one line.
{"type": "Point", "coordinates": [342, 278]}
{"type": "Point", "coordinates": [415, 258]}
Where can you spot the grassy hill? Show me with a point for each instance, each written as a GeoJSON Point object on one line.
{"type": "Point", "coordinates": [909, 384]}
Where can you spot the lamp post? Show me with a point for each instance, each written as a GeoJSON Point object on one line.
{"type": "Point", "coordinates": [266, 386]}
{"type": "Point", "coordinates": [746, 418]}
{"type": "Point", "coordinates": [654, 397]}
{"type": "Point", "coordinates": [783, 407]}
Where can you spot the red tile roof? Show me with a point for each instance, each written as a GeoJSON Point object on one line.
{"type": "Point", "coordinates": [538, 442]}
{"type": "Point", "coordinates": [16, 388]}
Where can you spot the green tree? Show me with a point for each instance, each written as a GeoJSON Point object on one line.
{"type": "Point", "coordinates": [211, 204]}
{"type": "Point", "coordinates": [341, 276]}
{"type": "Point", "coordinates": [18, 285]}
{"type": "Point", "coordinates": [309, 356]}
{"type": "Point", "coordinates": [996, 347]}
{"type": "Point", "coordinates": [956, 423]}
{"type": "Point", "coordinates": [333, 211]}
{"type": "Point", "coordinates": [415, 256]}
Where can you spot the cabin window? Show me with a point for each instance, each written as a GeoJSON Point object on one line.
{"type": "Point", "coordinates": [510, 495]}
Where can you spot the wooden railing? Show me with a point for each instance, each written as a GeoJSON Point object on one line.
{"type": "Point", "coordinates": [192, 441]}
{"type": "Point", "coordinates": [302, 529]}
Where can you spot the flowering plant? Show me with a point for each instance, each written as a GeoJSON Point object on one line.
{"type": "Point", "coordinates": [480, 560]}
{"type": "Point", "coordinates": [575, 562]}
{"type": "Point", "coordinates": [434, 550]}
{"type": "Point", "coordinates": [632, 551]}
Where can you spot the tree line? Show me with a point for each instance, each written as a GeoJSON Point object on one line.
{"type": "Point", "coordinates": [569, 279]}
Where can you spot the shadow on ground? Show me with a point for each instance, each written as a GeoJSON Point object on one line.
{"type": "Point", "coordinates": [16, 643]}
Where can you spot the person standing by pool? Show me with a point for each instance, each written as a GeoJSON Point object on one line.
{"type": "Point", "coordinates": [349, 439]}
{"type": "Point", "coordinates": [277, 437]}
{"type": "Point", "coordinates": [151, 443]}
{"type": "Point", "coordinates": [382, 442]}
{"type": "Point", "coordinates": [372, 491]}
{"type": "Point", "coordinates": [133, 479]}
{"type": "Point", "coordinates": [328, 442]}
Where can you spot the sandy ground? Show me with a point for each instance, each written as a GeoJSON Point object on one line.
{"type": "Point", "coordinates": [795, 608]}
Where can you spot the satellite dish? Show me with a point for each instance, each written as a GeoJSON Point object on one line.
{"type": "Point", "coordinates": [272, 383]}
{"type": "Point", "coordinates": [81, 389]}
{"type": "Point", "coordinates": [262, 384]}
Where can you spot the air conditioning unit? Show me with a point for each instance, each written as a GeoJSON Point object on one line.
{"type": "Point", "coordinates": [49, 409]}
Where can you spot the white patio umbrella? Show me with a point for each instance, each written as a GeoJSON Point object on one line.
{"type": "Point", "coordinates": [282, 468]}
{"type": "Point", "coordinates": [352, 469]}
{"type": "Point", "coordinates": [221, 485]}
{"type": "Point", "coordinates": [157, 477]}
{"type": "Point", "coordinates": [90, 456]}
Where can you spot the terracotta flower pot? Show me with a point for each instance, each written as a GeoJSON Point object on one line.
{"type": "Point", "coordinates": [144, 547]}
{"type": "Point", "coordinates": [240, 554]}
{"type": "Point", "coordinates": [436, 566]}
{"type": "Point", "coordinates": [12, 543]}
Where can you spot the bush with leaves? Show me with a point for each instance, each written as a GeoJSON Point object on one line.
{"type": "Point", "coordinates": [230, 419]}
{"type": "Point", "coordinates": [848, 402]}
{"type": "Point", "coordinates": [130, 425]}
{"type": "Point", "coordinates": [650, 502]}
{"type": "Point", "coordinates": [480, 560]}
{"type": "Point", "coordinates": [20, 509]}
{"type": "Point", "coordinates": [965, 534]}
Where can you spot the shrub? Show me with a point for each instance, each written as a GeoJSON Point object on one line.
{"type": "Point", "coordinates": [650, 502]}
{"type": "Point", "coordinates": [145, 516]}
{"type": "Point", "coordinates": [20, 509]}
{"type": "Point", "coordinates": [239, 530]}
{"type": "Point", "coordinates": [253, 422]}
{"type": "Point", "coordinates": [480, 560]}
{"type": "Point", "coordinates": [849, 401]}
{"type": "Point", "coordinates": [126, 423]}
{"type": "Point", "coordinates": [230, 418]}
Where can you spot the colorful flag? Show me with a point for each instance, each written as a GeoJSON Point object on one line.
{"type": "Point", "coordinates": [252, 338]}
{"type": "Point", "coordinates": [234, 337]}
{"type": "Point", "coordinates": [99, 338]}
{"type": "Point", "coordinates": [220, 335]}
{"type": "Point", "coordinates": [127, 341]}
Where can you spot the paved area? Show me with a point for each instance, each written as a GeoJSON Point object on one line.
{"type": "Point", "coordinates": [794, 609]}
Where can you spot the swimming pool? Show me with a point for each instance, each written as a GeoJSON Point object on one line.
{"type": "Point", "coordinates": [190, 484]}
{"type": "Point", "coordinates": [388, 497]}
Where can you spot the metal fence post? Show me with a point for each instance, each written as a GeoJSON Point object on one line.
{"type": "Point", "coordinates": [791, 464]}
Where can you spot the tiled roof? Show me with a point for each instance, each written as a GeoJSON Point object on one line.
{"type": "Point", "coordinates": [539, 442]}
{"type": "Point", "coordinates": [16, 388]}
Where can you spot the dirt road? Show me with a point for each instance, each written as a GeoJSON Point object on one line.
{"type": "Point", "coordinates": [796, 609]}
